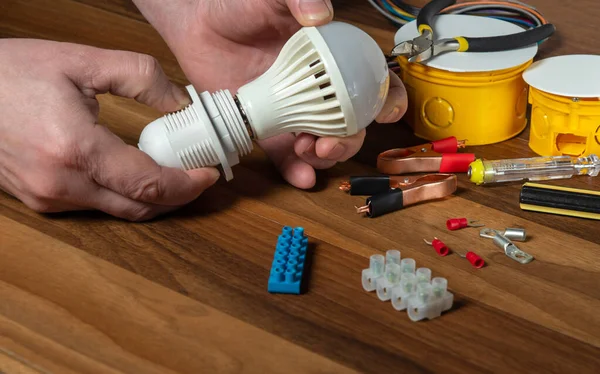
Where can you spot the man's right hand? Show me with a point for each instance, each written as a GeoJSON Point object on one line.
{"type": "Point", "coordinates": [54, 156]}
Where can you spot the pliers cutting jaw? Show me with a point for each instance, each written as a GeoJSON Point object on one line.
{"type": "Point", "coordinates": [422, 48]}
{"type": "Point", "coordinates": [416, 50]}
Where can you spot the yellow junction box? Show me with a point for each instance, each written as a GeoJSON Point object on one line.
{"type": "Point", "coordinates": [480, 97]}
{"type": "Point", "coordinates": [565, 105]}
{"type": "Point", "coordinates": [563, 126]}
{"type": "Point", "coordinates": [483, 107]}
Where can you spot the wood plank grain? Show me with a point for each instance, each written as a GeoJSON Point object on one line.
{"type": "Point", "coordinates": [203, 257]}
{"type": "Point", "coordinates": [90, 316]}
{"type": "Point", "coordinates": [11, 364]}
{"type": "Point", "coordinates": [508, 317]}
{"type": "Point", "coordinates": [74, 22]}
{"type": "Point", "coordinates": [121, 7]}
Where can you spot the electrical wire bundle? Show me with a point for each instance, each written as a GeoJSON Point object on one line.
{"type": "Point", "coordinates": [513, 11]}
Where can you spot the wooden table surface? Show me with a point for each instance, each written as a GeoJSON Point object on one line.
{"type": "Point", "coordinates": [187, 293]}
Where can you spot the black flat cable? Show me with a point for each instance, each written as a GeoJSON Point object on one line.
{"type": "Point", "coordinates": [559, 198]}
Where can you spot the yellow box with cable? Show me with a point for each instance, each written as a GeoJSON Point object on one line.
{"type": "Point", "coordinates": [481, 97]}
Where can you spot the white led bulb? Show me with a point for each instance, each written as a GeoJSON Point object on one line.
{"type": "Point", "coordinates": [330, 80]}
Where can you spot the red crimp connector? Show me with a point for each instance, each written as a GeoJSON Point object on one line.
{"type": "Point", "coordinates": [439, 246]}
{"type": "Point", "coordinates": [457, 223]}
{"type": "Point", "coordinates": [448, 145]}
{"type": "Point", "coordinates": [475, 260]}
{"type": "Point", "coordinates": [456, 162]}
{"type": "Point", "coordinates": [460, 223]}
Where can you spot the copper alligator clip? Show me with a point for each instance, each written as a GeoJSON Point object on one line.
{"type": "Point", "coordinates": [437, 156]}
{"type": "Point", "coordinates": [412, 190]}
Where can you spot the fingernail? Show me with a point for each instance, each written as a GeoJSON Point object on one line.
{"type": "Point", "coordinates": [336, 152]}
{"type": "Point", "coordinates": [214, 174]}
{"type": "Point", "coordinates": [314, 10]}
{"type": "Point", "coordinates": [310, 147]}
{"type": "Point", "coordinates": [182, 99]}
{"type": "Point", "coordinates": [393, 115]}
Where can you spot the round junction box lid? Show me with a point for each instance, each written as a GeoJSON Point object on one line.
{"type": "Point", "coordinates": [576, 76]}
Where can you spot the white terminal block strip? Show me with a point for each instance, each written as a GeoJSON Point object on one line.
{"type": "Point", "coordinates": [407, 287]}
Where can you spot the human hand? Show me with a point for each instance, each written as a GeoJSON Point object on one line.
{"type": "Point", "coordinates": [226, 44]}
{"type": "Point", "coordinates": [54, 156]}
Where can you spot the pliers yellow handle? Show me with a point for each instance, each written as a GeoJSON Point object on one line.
{"type": "Point", "coordinates": [424, 47]}
{"type": "Point", "coordinates": [426, 15]}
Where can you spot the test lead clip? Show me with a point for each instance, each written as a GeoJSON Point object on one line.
{"type": "Point", "coordinates": [437, 156]}
{"type": "Point", "coordinates": [413, 190]}
{"type": "Point", "coordinates": [372, 185]}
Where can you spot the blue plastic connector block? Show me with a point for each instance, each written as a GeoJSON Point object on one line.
{"type": "Point", "coordinates": [288, 261]}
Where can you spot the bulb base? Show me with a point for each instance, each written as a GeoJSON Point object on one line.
{"type": "Point", "coordinates": [209, 132]}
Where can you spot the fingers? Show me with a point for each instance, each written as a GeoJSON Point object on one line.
{"type": "Point", "coordinates": [120, 206]}
{"type": "Point", "coordinates": [125, 74]}
{"type": "Point", "coordinates": [297, 157]}
{"type": "Point", "coordinates": [133, 174]}
{"type": "Point", "coordinates": [340, 149]}
{"type": "Point", "coordinates": [323, 153]}
{"type": "Point", "coordinates": [311, 12]}
{"type": "Point", "coordinates": [397, 101]}
{"type": "Point", "coordinates": [292, 168]}
{"type": "Point", "coordinates": [305, 148]}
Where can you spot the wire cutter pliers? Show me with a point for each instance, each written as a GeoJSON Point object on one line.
{"type": "Point", "coordinates": [423, 47]}
{"type": "Point", "coordinates": [439, 156]}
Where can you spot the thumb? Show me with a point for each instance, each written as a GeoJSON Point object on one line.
{"type": "Point", "coordinates": [133, 174]}
{"type": "Point", "coordinates": [311, 12]}
{"type": "Point", "coordinates": [127, 74]}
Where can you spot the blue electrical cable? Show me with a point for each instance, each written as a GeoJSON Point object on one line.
{"type": "Point", "coordinates": [389, 8]}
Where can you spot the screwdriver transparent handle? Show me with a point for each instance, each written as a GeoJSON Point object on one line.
{"type": "Point", "coordinates": [540, 168]}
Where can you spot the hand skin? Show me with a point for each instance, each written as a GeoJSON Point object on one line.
{"type": "Point", "coordinates": [54, 156]}
{"type": "Point", "coordinates": [223, 44]}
